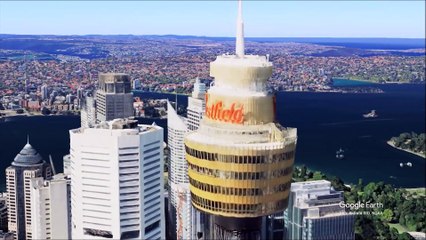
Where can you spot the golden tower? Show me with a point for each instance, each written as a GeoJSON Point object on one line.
{"type": "Point", "coordinates": [240, 161]}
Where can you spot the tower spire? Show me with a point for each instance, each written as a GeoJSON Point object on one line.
{"type": "Point", "coordinates": [28, 139]}
{"type": "Point", "coordinates": [239, 42]}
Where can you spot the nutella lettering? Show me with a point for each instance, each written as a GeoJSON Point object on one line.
{"type": "Point", "coordinates": [217, 111]}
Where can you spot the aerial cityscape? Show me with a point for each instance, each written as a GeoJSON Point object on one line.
{"type": "Point", "coordinates": [247, 133]}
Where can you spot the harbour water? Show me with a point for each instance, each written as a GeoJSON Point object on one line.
{"type": "Point", "coordinates": [325, 122]}
{"type": "Point", "coordinates": [340, 82]}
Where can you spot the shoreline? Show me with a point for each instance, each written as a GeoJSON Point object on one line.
{"type": "Point", "coordinates": [6, 118]}
{"type": "Point", "coordinates": [373, 82]}
{"type": "Point", "coordinates": [390, 143]}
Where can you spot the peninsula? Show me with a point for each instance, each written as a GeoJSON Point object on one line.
{"type": "Point", "coordinates": [410, 142]}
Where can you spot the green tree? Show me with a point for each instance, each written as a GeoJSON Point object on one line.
{"type": "Point", "coordinates": [405, 236]}
{"type": "Point", "coordinates": [387, 215]}
{"type": "Point", "coordinates": [365, 228]}
{"type": "Point", "coordinates": [318, 176]}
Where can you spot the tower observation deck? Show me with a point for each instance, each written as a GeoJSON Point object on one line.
{"type": "Point", "coordinates": [240, 161]}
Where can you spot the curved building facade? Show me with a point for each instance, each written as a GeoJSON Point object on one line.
{"type": "Point", "coordinates": [240, 161]}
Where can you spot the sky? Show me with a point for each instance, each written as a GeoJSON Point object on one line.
{"type": "Point", "coordinates": [400, 19]}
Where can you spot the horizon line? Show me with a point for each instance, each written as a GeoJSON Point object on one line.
{"type": "Point", "coordinates": [199, 36]}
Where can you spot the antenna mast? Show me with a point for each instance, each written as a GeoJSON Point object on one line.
{"type": "Point", "coordinates": [239, 42]}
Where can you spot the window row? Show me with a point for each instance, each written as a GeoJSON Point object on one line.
{"type": "Point", "coordinates": [238, 208]}
{"type": "Point", "coordinates": [226, 190]}
{"type": "Point", "coordinates": [239, 159]}
{"type": "Point", "coordinates": [226, 207]}
{"type": "Point", "coordinates": [240, 175]}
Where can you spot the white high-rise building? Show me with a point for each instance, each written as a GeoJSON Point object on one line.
{"type": "Point", "coordinates": [114, 98]}
{"type": "Point", "coordinates": [196, 105]}
{"type": "Point", "coordinates": [26, 165]}
{"type": "Point", "coordinates": [314, 213]}
{"type": "Point", "coordinates": [44, 92]}
{"type": "Point", "coordinates": [136, 84]}
{"type": "Point", "coordinates": [180, 197]}
{"type": "Point", "coordinates": [195, 112]}
{"type": "Point", "coordinates": [67, 164]}
{"type": "Point", "coordinates": [176, 130]}
{"type": "Point", "coordinates": [188, 219]}
{"type": "Point", "coordinates": [50, 207]}
{"type": "Point", "coordinates": [69, 98]}
{"type": "Point", "coordinates": [117, 181]}
{"type": "Point", "coordinates": [88, 112]}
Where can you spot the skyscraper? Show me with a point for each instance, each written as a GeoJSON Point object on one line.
{"type": "Point", "coordinates": [314, 213]}
{"type": "Point", "coordinates": [44, 92]}
{"type": "Point", "coordinates": [26, 165]}
{"type": "Point", "coordinates": [136, 84]}
{"type": "Point", "coordinates": [117, 181]}
{"type": "Point", "coordinates": [66, 160]}
{"type": "Point", "coordinates": [114, 98]}
{"type": "Point", "coordinates": [178, 177]}
{"type": "Point", "coordinates": [3, 211]}
{"type": "Point", "coordinates": [196, 105]}
{"type": "Point", "coordinates": [50, 207]}
{"type": "Point", "coordinates": [240, 161]}
{"type": "Point", "coordinates": [184, 217]}
{"type": "Point", "coordinates": [88, 111]}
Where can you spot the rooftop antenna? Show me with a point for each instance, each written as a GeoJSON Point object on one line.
{"type": "Point", "coordinates": [51, 164]}
{"type": "Point", "coordinates": [239, 42]}
{"type": "Point", "coordinates": [28, 139]}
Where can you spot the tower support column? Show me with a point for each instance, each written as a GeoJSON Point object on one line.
{"type": "Point", "coordinates": [227, 228]}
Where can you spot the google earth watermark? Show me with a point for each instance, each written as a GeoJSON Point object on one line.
{"type": "Point", "coordinates": [361, 208]}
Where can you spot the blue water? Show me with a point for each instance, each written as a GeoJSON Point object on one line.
{"type": "Point", "coordinates": [341, 82]}
{"type": "Point", "coordinates": [325, 122]}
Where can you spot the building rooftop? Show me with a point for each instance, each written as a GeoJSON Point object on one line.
{"type": "Point", "coordinates": [174, 120]}
{"type": "Point", "coordinates": [27, 156]}
{"type": "Point", "coordinates": [128, 126]}
{"type": "Point", "coordinates": [114, 77]}
{"type": "Point", "coordinates": [114, 83]}
{"type": "Point", "coordinates": [318, 184]}
{"type": "Point", "coordinates": [246, 60]}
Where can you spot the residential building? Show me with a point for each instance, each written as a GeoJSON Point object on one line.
{"type": "Point", "coordinates": [314, 213]}
{"type": "Point", "coordinates": [50, 207]}
{"type": "Point", "coordinates": [117, 181]}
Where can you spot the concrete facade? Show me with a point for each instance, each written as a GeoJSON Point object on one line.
{"type": "Point", "coordinates": [117, 181]}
